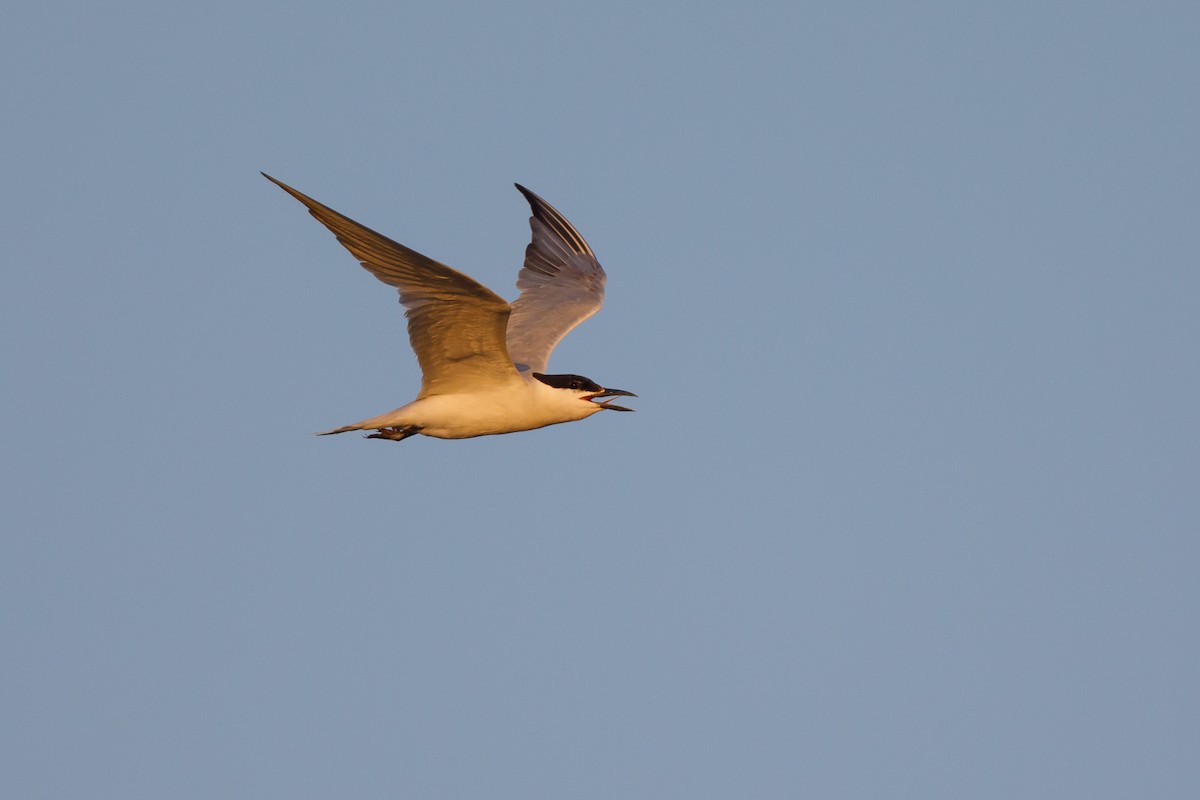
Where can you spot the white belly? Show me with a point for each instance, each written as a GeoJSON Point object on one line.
{"type": "Point", "coordinates": [462, 416]}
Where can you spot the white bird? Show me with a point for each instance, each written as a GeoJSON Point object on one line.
{"type": "Point", "coordinates": [483, 361]}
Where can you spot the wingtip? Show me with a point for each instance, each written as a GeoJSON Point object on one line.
{"type": "Point", "coordinates": [534, 201]}
{"type": "Point", "coordinates": [549, 215]}
{"type": "Point", "coordinates": [303, 198]}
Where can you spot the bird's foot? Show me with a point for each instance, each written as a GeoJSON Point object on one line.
{"type": "Point", "coordinates": [394, 434]}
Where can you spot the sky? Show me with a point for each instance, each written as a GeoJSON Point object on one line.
{"type": "Point", "coordinates": [909, 506]}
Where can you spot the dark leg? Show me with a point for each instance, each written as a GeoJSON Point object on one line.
{"type": "Point", "coordinates": [395, 434]}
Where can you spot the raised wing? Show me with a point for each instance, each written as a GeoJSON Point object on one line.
{"type": "Point", "coordinates": [456, 325]}
{"type": "Point", "coordinates": [561, 284]}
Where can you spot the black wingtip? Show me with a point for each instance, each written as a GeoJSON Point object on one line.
{"type": "Point", "coordinates": [549, 215]}
{"type": "Point", "coordinates": [536, 203]}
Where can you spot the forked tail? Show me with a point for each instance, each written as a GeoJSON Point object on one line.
{"type": "Point", "coordinates": [342, 429]}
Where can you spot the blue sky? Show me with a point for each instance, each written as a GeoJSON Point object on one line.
{"type": "Point", "coordinates": [909, 507]}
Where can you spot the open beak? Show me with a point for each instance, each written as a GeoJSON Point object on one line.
{"type": "Point", "coordinates": [611, 393]}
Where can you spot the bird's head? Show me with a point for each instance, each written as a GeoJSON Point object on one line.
{"type": "Point", "coordinates": [586, 389]}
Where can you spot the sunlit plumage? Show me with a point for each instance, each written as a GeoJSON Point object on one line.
{"type": "Point", "coordinates": [483, 361]}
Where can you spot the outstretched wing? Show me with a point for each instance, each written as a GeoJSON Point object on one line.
{"type": "Point", "coordinates": [456, 325]}
{"type": "Point", "coordinates": [561, 284]}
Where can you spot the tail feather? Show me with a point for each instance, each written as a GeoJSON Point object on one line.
{"type": "Point", "coordinates": [342, 429]}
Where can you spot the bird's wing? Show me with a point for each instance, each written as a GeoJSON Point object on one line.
{"type": "Point", "coordinates": [561, 284]}
{"type": "Point", "coordinates": [456, 325]}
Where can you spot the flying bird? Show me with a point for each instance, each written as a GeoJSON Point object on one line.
{"type": "Point", "coordinates": [483, 360]}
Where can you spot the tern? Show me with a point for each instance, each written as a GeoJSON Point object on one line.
{"type": "Point", "coordinates": [483, 361]}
